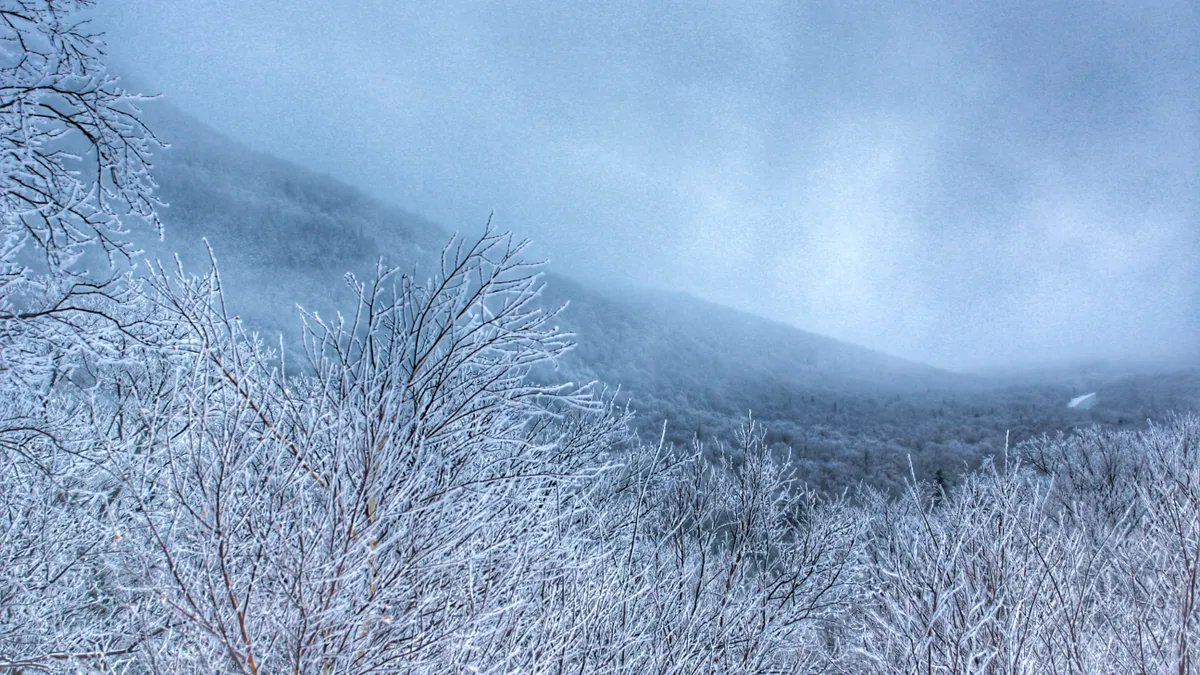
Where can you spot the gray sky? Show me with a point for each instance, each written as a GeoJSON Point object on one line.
{"type": "Point", "coordinates": [963, 183]}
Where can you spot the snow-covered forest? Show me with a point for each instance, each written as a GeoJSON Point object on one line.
{"type": "Point", "coordinates": [416, 485]}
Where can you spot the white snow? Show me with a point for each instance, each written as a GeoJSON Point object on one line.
{"type": "Point", "coordinates": [1085, 402]}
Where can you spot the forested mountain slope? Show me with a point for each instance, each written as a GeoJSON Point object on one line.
{"type": "Point", "coordinates": [282, 235]}
{"type": "Point", "coordinates": [678, 331]}
{"type": "Point", "coordinates": [275, 226]}
{"type": "Point", "coordinates": [285, 236]}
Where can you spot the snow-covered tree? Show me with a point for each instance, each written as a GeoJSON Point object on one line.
{"type": "Point", "coordinates": [74, 153]}
{"type": "Point", "coordinates": [390, 511]}
{"type": "Point", "coordinates": [73, 165]}
{"type": "Point", "coordinates": [738, 567]}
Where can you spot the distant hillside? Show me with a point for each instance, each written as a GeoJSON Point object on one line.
{"type": "Point", "coordinates": [678, 331]}
{"type": "Point", "coordinates": [281, 234]}
{"type": "Point", "coordinates": [674, 349]}
{"type": "Point", "coordinates": [284, 235]}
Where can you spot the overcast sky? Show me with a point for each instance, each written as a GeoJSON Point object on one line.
{"type": "Point", "coordinates": [963, 183]}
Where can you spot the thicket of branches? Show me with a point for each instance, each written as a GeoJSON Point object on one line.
{"type": "Point", "coordinates": [413, 499]}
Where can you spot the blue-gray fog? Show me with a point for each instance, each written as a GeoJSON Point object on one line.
{"type": "Point", "coordinates": [965, 184]}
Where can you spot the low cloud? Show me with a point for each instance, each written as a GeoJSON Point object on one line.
{"type": "Point", "coordinates": [967, 184]}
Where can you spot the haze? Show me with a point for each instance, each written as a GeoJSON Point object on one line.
{"type": "Point", "coordinates": [971, 185]}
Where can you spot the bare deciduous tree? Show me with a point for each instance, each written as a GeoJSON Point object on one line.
{"type": "Point", "coordinates": [73, 161]}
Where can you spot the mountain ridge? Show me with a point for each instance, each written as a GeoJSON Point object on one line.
{"type": "Point", "coordinates": [278, 229]}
